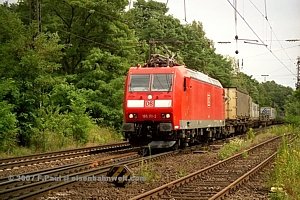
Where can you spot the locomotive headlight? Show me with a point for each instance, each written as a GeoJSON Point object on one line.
{"type": "Point", "coordinates": [132, 115]}
{"type": "Point", "coordinates": [149, 96]}
{"type": "Point", "coordinates": [165, 116]}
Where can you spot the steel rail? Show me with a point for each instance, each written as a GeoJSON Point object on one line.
{"type": "Point", "coordinates": [37, 188]}
{"type": "Point", "coordinates": [10, 163]}
{"type": "Point", "coordinates": [193, 176]}
{"type": "Point", "coordinates": [243, 178]}
{"type": "Point", "coordinates": [15, 181]}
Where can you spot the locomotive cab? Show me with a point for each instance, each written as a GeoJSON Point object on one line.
{"type": "Point", "coordinates": [148, 110]}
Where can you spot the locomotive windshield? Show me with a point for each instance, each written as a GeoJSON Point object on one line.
{"type": "Point", "coordinates": [139, 82]}
{"type": "Point", "coordinates": [159, 82]}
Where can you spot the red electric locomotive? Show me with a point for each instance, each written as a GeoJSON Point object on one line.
{"type": "Point", "coordinates": [171, 106]}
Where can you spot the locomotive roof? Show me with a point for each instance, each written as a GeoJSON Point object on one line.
{"type": "Point", "coordinates": [193, 74]}
{"type": "Point", "coordinates": [203, 77]}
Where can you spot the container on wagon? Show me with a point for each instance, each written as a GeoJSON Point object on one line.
{"type": "Point", "coordinates": [268, 112]}
{"type": "Point", "coordinates": [237, 104]}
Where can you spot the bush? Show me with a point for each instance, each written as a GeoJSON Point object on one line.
{"type": "Point", "coordinates": [250, 134]}
{"type": "Point", "coordinates": [230, 148]}
{"type": "Point", "coordinates": [8, 128]}
{"type": "Point", "coordinates": [103, 135]}
{"type": "Point", "coordinates": [292, 119]}
{"type": "Point", "coordinates": [286, 175]}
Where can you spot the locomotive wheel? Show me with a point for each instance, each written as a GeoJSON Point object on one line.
{"type": "Point", "coordinates": [176, 145]}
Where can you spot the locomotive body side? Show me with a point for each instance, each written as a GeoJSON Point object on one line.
{"type": "Point", "coordinates": [203, 102]}
{"type": "Point", "coordinates": [188, 106]}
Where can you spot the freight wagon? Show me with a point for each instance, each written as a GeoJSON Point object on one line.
{"type": "Point", "coordinates": [254, 115]}
{"type": "Point", "coordinates": [237, 110]}
{"type": "Point", "coordinates": [267, 115]}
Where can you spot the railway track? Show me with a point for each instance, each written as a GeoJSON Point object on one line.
{"type": "Point", "coordinates": [41, 181]}
{"type": "Point", "coordinates": [26, 184]}
{"type": "Point", "coordinates": [218, 180]}
{"type": "Point", "coordinates": [23, 161]}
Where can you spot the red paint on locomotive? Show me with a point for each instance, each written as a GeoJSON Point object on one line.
{"type": "Point", "coordinates": [166, 103]}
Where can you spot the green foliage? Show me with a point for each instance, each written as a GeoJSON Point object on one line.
{"type": "Point", "coordinates": [73, 105]}
{"type": "Point", "coordinates": [274, 95]}
{"type": "Point", "coordinates": [245, 154]}
{"type": "Point", "coordinates": [250, 134]}
{"type": "Point", "coordinates": [248, 84]}
{"type": "Point", "coordinates": [104, 84]}
{"type": "Point", "coordinates": [230, 148]}
{"type": "Point", "coordinates": [182, 172]}
{"type": "Point", "coordinates": [151, 23]}
{"type": "Point", "coordinates": [286, 174]}
{"type": "Point", "coordinates": [103, 135]}
{"type": "Point", "coordinates": [292, 108]}
{"type": "Point", "coordinates": [147, 172]}
{"type": "Point", "coordinates": [8, 128]}
{"type": "Point", "coordinates": [282, 130]}
{"type": "Point", "coordinates": [83, 25]}
{"type": "Point", "coordinates": [51, 112]}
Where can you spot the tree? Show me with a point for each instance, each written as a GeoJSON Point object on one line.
{"type": "Point", "coordinates": [29, 61]}
{"type": "Point", "coordinates": [151, 23]}
{"type": "Point", "coordinates": [292, 108]}
{"type": "Point", "coordinates": [84, 25]}
{"type": "Point", "coordinates": [103, 79]}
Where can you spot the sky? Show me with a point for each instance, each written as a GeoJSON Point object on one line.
{"type": "Point", "coordinates": [218, 19]}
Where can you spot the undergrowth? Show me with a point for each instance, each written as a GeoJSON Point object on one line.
{"type": "Point", "coordinates": [285, 179]}
{"type": "Point", "coordinates": [237, 145]}
{"type": "Point", "coordinates": [55, 142]}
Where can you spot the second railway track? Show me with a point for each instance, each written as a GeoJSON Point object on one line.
{"type": "Point", "coordinates": [11, 163]}
{"type": "Point", "coordinates": [216, 181]}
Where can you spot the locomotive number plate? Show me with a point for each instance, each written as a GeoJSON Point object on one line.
{"type": "Point", "coordinates": [149, 103]}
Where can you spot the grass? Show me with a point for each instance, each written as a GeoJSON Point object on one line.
{"type": "Point", "coordinates": [55, 142]}
{"type": "Point", "coordinates": [285, 179]}
{"type": "Point", "coordinates": [182, 172]}
{"type": "Point", "coordinates": [231, 148]}
{"type": "Point", "coordinates": [238, 145]}
{"type": "Point", "coordinates": [102, 135]}
{"type": "Point", "coordinates": [16, 151]}
{"type": "Point", "coordinates": [147, 172]}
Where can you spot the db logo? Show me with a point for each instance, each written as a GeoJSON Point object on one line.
{"type": "Point", "coordinates": [149, 103]}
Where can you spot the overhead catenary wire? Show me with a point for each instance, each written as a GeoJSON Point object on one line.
{"type": "Point", "coordinates": [236, 37]}
{"type": "Point", "coordinates": [129, 5]}
{"type": "Point", "coordinates": [266, 16]}
{"type": "Point", "coordinates": [242, 17]}
{"type": "Point", "coordinates": [130, 43]}
{"type": "Point", "coordinates": [271, 28]}
{"type": "Point", "coordinates": [276, 50]}
{"type": "Point", "coordinates": [184, 11]}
